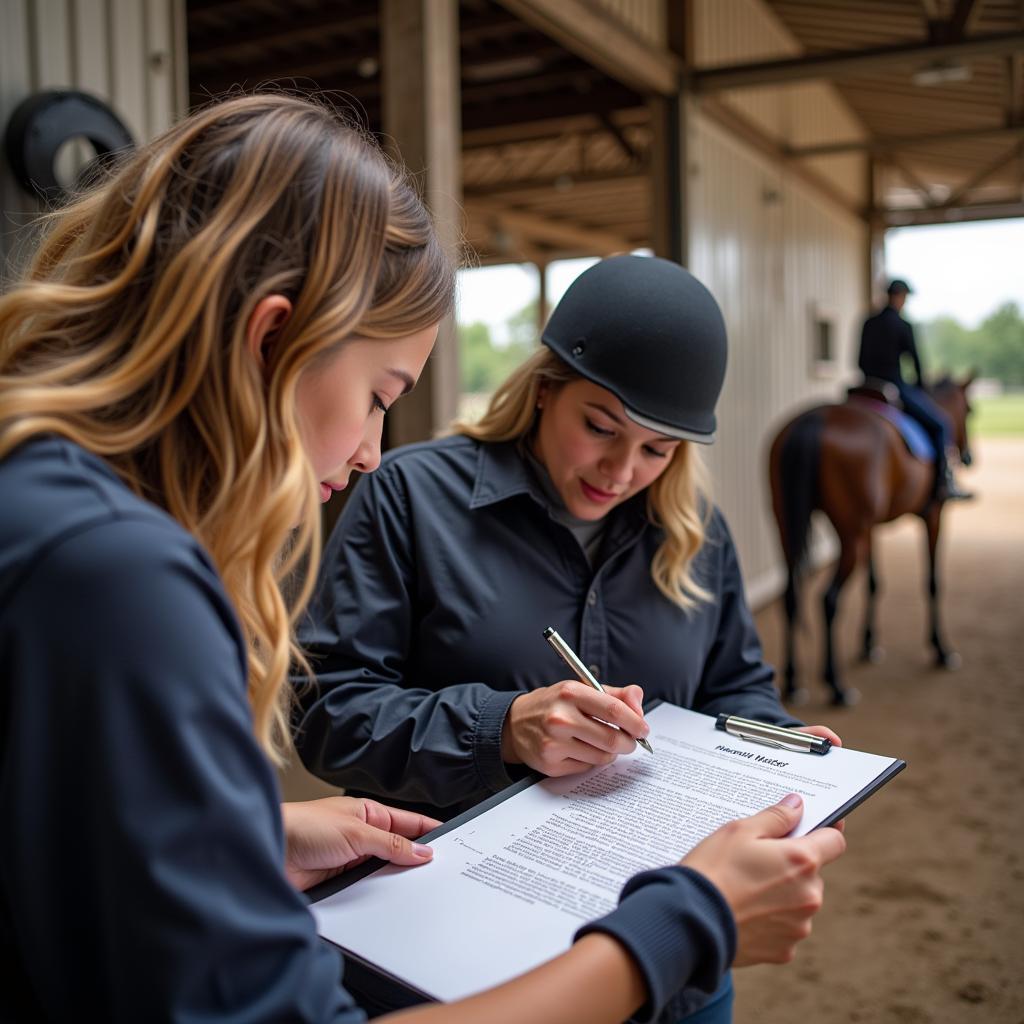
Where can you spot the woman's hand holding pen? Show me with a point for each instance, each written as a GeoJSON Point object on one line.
{"type": "Point", "coordinates": [772, 884]}
{"type": "Point", "coordinates": [324, 837]}
{"type": "Point", "coordinates": [567, 727]}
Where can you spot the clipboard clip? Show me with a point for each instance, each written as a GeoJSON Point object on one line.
{"type": "Point", "coordinates": [773, 735]}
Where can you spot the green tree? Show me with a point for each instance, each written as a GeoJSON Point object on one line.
{"type": "Point", "coordinates": [1001, 345]}
{"type": "Point", "coordinates": [994, 349]}
{"type": "Point", "coordinates": [476, 354]}
{"type": "Point", "coordinates": [947, 346]}
{"type": "Point", "coordinates": [485, 364]}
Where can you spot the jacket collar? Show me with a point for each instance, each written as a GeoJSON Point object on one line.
{"type": "Point", "coordinates": [502, 473]}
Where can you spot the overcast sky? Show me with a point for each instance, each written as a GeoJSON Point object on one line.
{"type": "Point", "coordinates": [962, 270]}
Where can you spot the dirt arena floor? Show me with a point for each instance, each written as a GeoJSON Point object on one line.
{"type": "Point", "coordinates": [924, 917]}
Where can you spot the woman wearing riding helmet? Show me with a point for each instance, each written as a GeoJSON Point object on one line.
{"type": "Point", "coordinates": [578, 501]}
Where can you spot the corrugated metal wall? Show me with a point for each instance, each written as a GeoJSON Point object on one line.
{"type": "Point", "coordinates": [775, 254]}
{"type": "Point", "coordinates": [130, 53]}
{"type": "Point", "coordinates": [778, 255]}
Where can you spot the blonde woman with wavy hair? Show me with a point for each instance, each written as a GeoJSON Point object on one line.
{"type": "Point", "coordinates": [203, 350]}
{"type": "Point", "coordinates": [578, 501]}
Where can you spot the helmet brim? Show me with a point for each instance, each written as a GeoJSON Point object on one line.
{"type": "Point", "coordinates": [668, 430]}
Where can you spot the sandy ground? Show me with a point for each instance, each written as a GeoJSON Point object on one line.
{"type": "Point", "coordinates": [924, 917]}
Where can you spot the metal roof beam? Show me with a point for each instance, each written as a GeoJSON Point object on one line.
{"type": "Point", "coordinates": [604, 98]}
{"type": "Point", "coordinates": [885, 144]}
{"type": "Point", "coordinates": [299, 28]}
{"type": "Point", "coordinates": [840, 65]}
{"type": "Point", "coordinates": [960, 22]}
{"type": "Point", "coordinates": [600, 40]}
{"type": "Point", "coordinates": [1014, 90]}
{"type": "Point", "coordinates": [554, 182]}
{"type": "Point", "coordinates": [912, 180]}
{"type": "Point", "coordinates": [549, 230]}
{"type": "Point", "coordinates": [974, 211]}
{"type": "Point", "coordinates": [982, 176]}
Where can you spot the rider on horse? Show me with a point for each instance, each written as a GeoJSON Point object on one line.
{"type": "Point", "coordinates": [886, 336]}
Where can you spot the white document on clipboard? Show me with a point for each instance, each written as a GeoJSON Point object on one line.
{"type": "Point", "coordinates": [512, 880]}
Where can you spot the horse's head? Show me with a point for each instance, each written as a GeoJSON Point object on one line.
{"type": "Point", "coordinates": [952, 396]}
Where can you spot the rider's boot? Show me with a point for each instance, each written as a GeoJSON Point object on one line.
{"type": "Point", "coordinates": [947, 489]}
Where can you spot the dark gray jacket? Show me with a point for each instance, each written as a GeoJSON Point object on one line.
{"type": "Point", "coordinates": [141, 845]}
{"type": "Point", "coordinates": [445, 568]}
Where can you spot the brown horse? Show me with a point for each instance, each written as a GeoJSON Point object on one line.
{"type": "Point", "coordinates": [852, 464]}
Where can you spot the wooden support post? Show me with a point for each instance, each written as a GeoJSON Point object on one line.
{"type": "Point", "coordinates": [421, 115]}
{"type": "Point", "coordinates": [542, 295]}
{"type": "Point", "coordinates": [875, 250]}
{"type": "Point", "coordinates": [670, 121]}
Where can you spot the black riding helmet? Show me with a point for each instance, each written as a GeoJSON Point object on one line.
{"type": "Point", "coordinates": [653, 335]}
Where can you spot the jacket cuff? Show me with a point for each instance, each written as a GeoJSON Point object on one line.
{"type": "Point", "coordinates": [678, 928]}
{"type": "Point", "coordinates": [487, 739]}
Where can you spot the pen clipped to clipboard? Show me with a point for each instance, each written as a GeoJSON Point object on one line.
{"type": "Point", "coordinates": [778, 736]}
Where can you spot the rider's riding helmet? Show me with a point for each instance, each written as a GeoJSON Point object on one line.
{"type": "Point", "coordinates": [897, 286]}
{"type": "Point", "coordinates": [653, 335]}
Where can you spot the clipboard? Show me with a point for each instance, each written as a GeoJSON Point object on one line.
{"type": "Point", "coordinates": [380, 990]}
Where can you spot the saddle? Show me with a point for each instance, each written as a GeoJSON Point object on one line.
{"type": "Point", "coordinates": [883, 398]}
{"type": "Point", "coordinates": [876, 390]}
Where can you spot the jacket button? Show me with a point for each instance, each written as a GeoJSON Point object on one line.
{"type": "Point", "coordinates": [595, 669]}
{"type": "Point", "coordinates": [592, 598]}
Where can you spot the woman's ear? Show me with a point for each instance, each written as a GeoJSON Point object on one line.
{"type": "Point", "coordinates": [265, 321]}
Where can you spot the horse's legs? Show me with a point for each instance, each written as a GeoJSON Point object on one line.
{"type": "Point", "coordinates": [944, 657]}
{"type": "Point", "coordinates": [791, 693]}
{"type": "Point", "coordinates": [849, 549]}
{"type": "Point", "coordinates": [869, 651]}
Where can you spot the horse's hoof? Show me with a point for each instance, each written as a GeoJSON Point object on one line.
{"type": "Point", "coordinates": [949, 660]}
{"type": "Point", "coordinates": [796, 697]}
{"type": "Point", "coordinates": [873, 655]}
{"type": "Point", "coordinates": [845, 698]}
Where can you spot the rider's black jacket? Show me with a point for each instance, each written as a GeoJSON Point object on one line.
{"type": "Point", "coordinates": [884, 338]}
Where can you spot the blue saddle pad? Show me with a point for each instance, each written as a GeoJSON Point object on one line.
{"type": "Point", "coordinates": [913, 434]}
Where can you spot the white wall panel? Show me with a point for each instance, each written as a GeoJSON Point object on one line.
{"type": "Point", "coordinates": [772, 252]}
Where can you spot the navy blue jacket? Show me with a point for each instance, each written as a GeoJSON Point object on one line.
{"type": "Point", "coordinates": [141, 845]}
{"type": "Point", "coordinates": [435, 588]}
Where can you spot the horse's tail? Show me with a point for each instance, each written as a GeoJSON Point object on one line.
{"type": "Point", "coordinates": [795, 484]}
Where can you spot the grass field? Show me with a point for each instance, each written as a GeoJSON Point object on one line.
{"type": "Point", "coordinates": [998, 416]}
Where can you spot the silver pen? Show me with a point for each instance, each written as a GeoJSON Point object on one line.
{"type": "Point", "coordinates": [583, 674]}
{"type": "Point", "coordinates": [773, 735]}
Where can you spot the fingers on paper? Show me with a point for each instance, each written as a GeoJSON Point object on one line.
{"type": "Point", "coordinates": [394, 819]}
{"type": "Point", "coordinates": [368, 841]}
{"type": "Point", "coordinates": [778, 820]}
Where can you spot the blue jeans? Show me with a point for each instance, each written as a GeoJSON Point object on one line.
{"type": "Point", "coordinates": [719, 1009]}
{"type": "Point", "coordinates": [919, 404]}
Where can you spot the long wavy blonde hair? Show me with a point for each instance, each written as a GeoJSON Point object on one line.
{"type": "Point", "coordinates": [128, 335]}
{"type": "Point", "coordinates": [679, 501]}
